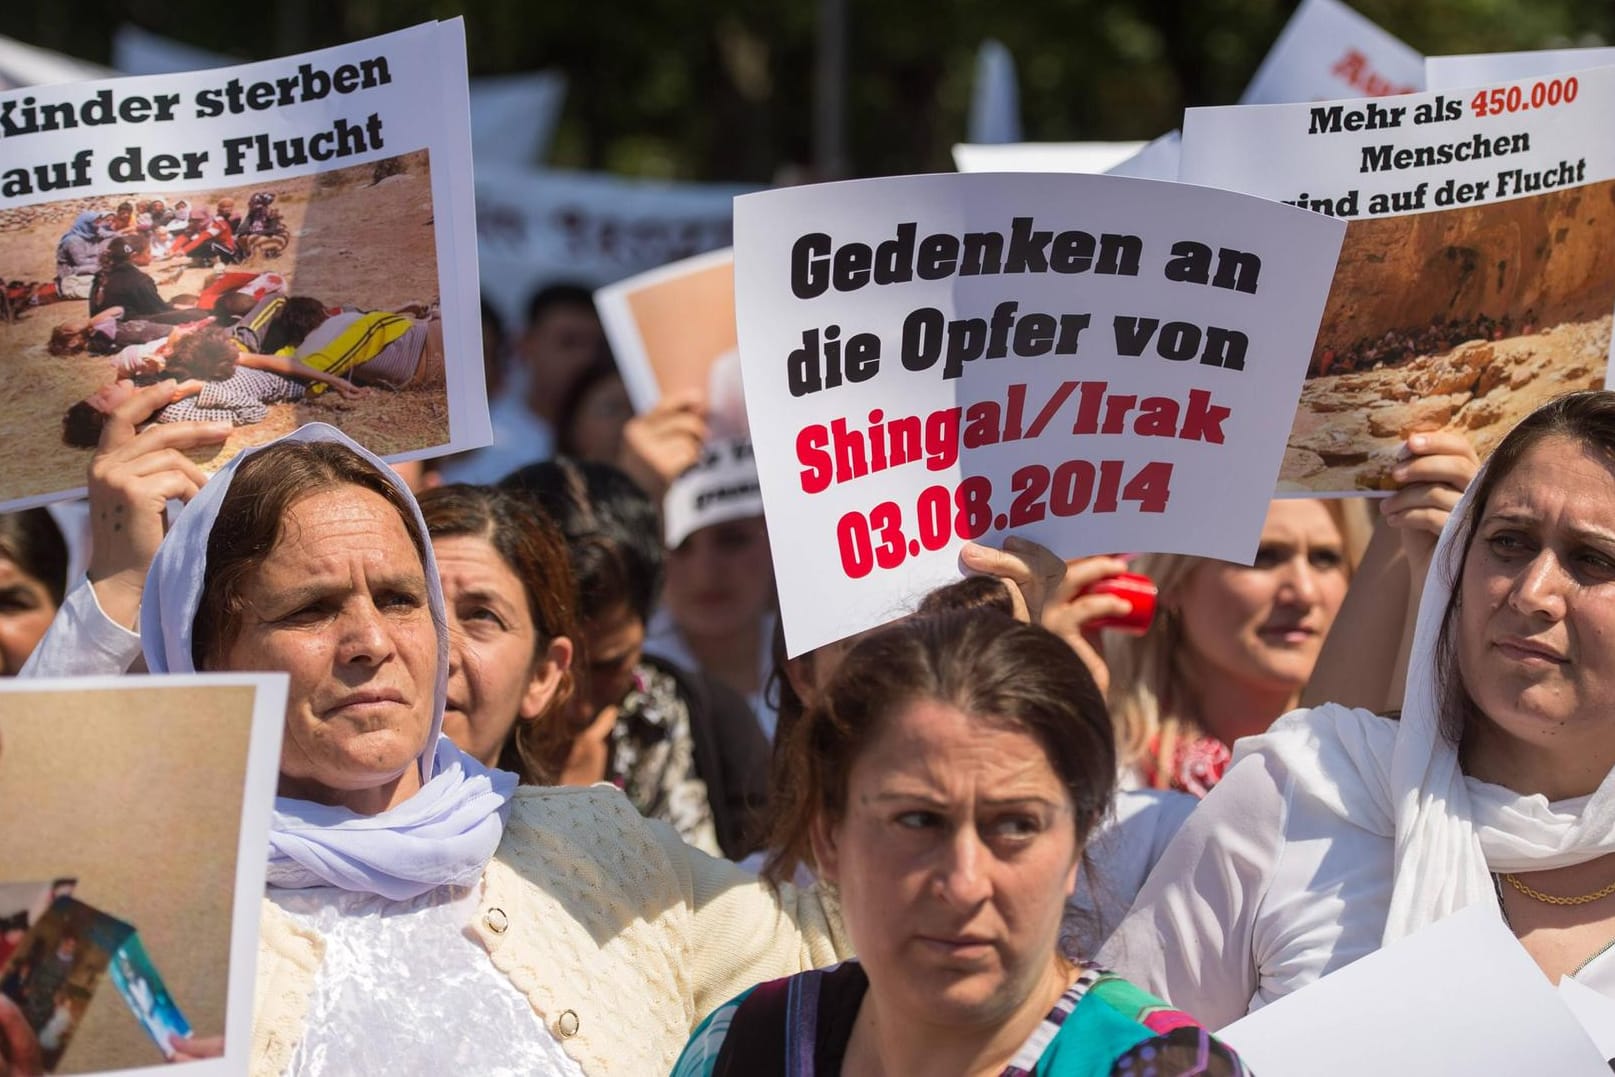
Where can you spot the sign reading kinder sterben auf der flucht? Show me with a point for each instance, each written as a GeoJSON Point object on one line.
{"type": "Point", "coordinates": [1090, 362]}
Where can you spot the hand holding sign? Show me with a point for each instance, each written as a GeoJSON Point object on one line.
{"type": "Point", "coordinates": [664, 442]}
{"type": "Point", "coordinates": [1436, 471]}
{"type": "Point", "coordinates": [133, 476]}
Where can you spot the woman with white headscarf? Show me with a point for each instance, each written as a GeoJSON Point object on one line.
{"type": "Point", "coordinates": [1340, 831]}
{"type": "Point", "coordinates": [563, 932]}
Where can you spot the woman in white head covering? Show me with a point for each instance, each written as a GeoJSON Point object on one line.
{"type": "Point", "coordinates": [1340, 831]}
{"type": "Point", "coordinates": [566, 934]}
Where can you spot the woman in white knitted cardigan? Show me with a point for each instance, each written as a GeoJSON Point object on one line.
{"type": "Point", "coordinates": [564, 933]}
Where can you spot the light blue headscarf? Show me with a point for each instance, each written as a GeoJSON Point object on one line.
{"type": "Point", "coordinates": [444, 834]}
{"type": "Point", "coordinates": [84, 226]}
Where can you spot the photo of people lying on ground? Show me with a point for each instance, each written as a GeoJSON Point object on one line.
{"type": "Point", "coordinates": [267, 306]}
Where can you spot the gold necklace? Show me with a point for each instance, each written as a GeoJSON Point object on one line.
{"type": "Point", "coordinates": [1554, 899]}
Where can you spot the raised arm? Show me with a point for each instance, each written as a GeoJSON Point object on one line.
{"type": "Point", "coordinates": [1437, 471]}
{"type": "Point", "coordinates": [133, 475]}
{"type": "Point", "coordinates": [664, 442]}
{"type": "Point", "coordinates": [1364, 660]}
{"type": "Point", "coordinates": [1359, 655]}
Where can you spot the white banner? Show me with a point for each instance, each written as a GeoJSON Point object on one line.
{"type": "Point", "coordinates": [513, 117]}
{"type": "Point", "coordinates": [1477, 277]}
{"type": "Point", "coordinates": [1157, 160]}
{"type": "Point", "coordinates": [1476, 69]}
{"type": "Point", "coordinates": [341, 177]}
{"type": "Point", "coordinates": [1088, 157]}
{"type": "Point", "coordinates": [1328, 51]}
{"type": "Point", "coordinates": [1093, 363]}
{"type": "Point", "coordinates": [136, 51]}
{"type": "Point", "coordinates": [538, 227]}
{"type": "Point", "coordinates": [22, 64]}
{"type": "Point", "coordinates": [995, 98]}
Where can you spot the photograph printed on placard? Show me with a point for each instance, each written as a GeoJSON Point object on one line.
{"type": "Point", "coordinates": [1466, 318]}
{"type": "Point", "coordinates": [289, 300]}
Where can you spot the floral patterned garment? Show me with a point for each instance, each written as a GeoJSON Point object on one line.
{"type": "Point", "coordinates": [1194, 766]}
{"type": "Point", "coordinates": [653, 758]}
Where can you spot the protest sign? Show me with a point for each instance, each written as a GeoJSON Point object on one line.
{"type": "Point", "coordinates": [1090, 157]}
{"type": "Point", "coordinates": [1459, 998]}
{"type": "Point", "coordinates": [1328, 51]}
{"type": "Point", "coordinates": [672, 330]}
{"type": "Point", "coordinates": [720, 487]}
{"type": "Point", "coordinates": [539, 227]}
{"type": "Point", "coordinates": [1157, 160]}
{"type": "Point", "coordinates": [204, 203]}
{"type": "Point", "coordinates": [22, 64]}
{"type": "Point", "coordinates": [995, 98]}
{"type": "Point", "coordinates": [513, 117]}
{"type": "Point", "coordinates": [138, 51]}
{"type": "Point", "coordinates": [134, 819]}
{"type": "Point", "coordinates": [1595, 1011]}
{"type": "Point", "coordinates": [1089, 362]}
{"type": "Point", "coordinates": [1477, 277]}
{"type": "Point", "coordinates": [1476, 69]}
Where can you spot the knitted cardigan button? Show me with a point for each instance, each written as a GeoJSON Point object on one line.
{"type": "Point", "coordinates": [496, 920]}
{"type": "Point", "coordinates": [566, 1025]}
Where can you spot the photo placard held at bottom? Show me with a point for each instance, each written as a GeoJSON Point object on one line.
{"type": "Point", "coordinates": [136, 815]}
{"type": "Point", "coordinates": [1090, 362]}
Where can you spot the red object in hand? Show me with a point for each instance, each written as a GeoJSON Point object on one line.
{"type": "Point", "coordinates": [1138, 591]}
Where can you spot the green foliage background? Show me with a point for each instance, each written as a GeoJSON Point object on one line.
{"type": "Point", "coordinates": [723, 89]}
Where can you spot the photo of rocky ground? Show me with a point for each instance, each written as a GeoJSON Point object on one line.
{"type": "Point", "coordinates": [1465, 319]}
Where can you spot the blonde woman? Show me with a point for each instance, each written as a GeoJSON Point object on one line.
{"type": "Point", "coordinates": [1235, 646]}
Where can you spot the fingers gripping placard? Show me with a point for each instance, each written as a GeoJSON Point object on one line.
{"type": "Point", "coordinates": [1090, 362]}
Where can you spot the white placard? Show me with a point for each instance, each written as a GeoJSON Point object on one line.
{"type": "Point", "coordinates": [1157, 160]}
{"type": "Point", "coordinates": [513, 117]}
{"type": "Point", "coordinates": [722, 486]}
{"type": "Point", "coordinates": [22, 64]}
{"type": "Point", "coordinates": [154, 794]}
{"type": "Point", "coordinates": [672, 330]}
{"type": "Point", "coordinates": [1595, 1011]}
{"type": "Point", "coordinates": [1477, 278]}
{"type": "Point", "coordinates": [538, 227]}
{"type": "Point", "coordinates": [137, 51]}
{"type": "Point", "coordinates": [1089, 157]}
{"type": "Point", "coordinates": [1478, 69]}
{"type": "Point", "coordinates": [1094, 363]}
{"type": "Point", "coordinates": [1459, 998]}
{"type": "Point", "coordinates": [995, 98]}
{"type": "Point", "coordinates": [365, 152]}
{"type": "Point", "coordinates": [1327, 51]}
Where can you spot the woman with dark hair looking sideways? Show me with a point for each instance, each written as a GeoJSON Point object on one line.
{"type": "Point", "coordinates": [947, 783]}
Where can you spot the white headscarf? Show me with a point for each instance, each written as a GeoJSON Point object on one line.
{"type": "Point", "coordinates": [1404, 781]}
{"type": "Point", "coordinates": [443, 834]}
